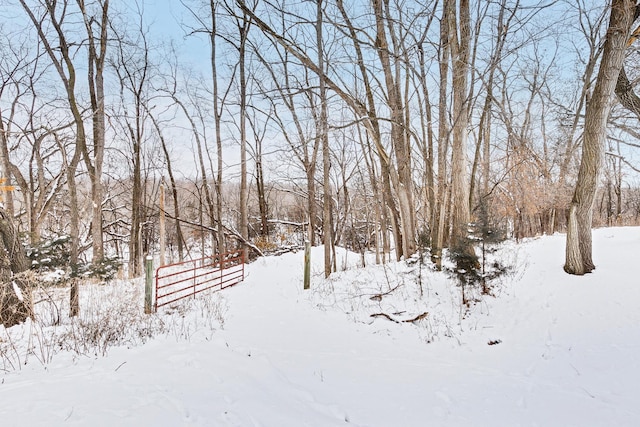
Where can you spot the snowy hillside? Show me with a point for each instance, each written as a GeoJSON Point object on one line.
{"type": "Point", "coordinates": [358, 349]}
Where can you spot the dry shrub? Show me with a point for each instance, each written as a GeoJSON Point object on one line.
{"type": "Point", "coordinates": [110, 316]}
{"type": "Point", "coordinates": [264, 244]}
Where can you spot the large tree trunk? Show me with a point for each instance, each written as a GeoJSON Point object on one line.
{"type": "Point", "coordinates": [460, 66]}
{"type": "Point", "coordinates": [578, 249]}
{"type": "Point", "coordinates": [15, 306]}
{"type": "Point", "coordinates": [401, 176]}
{"type": "Point", "coordinates": [94, 156]}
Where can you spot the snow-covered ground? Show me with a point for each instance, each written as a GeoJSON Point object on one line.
{"type": "Point", "coordinates": [549, 350]}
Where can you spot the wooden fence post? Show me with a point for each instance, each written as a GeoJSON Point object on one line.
{"type": "Point", "coordinates": [307, 264]}
{"type": "Point", "coordinates": [148, 285]}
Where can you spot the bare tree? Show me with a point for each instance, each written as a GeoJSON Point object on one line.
{"type": "Point", "coordinates": [59, 49]}
{"type": "Point", "coordinates": [401, 175]}
{"type": "Point", "coordinates": [591, 28]}
{"type": "Point", "coordinates": [257, 153]}
{"type": "Point", "coordinates": [439, 212]}
{"type": "Point", "coordinates": [12, 62]}
{"type": "Point", "coordinates": [132, 66]}
{"type": "Point", "coordinates": [459, 20]}
{"type": "Point", "coordinates": [172, 182]}
{"type": "Point", "coordinates": [217, 115]}
{"type": "Point", "coordinates": [304, 147]}
{"type": "Point", "coordinates": [14, 295]}
{"type": "Point", "coordinates": [94, 156]}
{"type": "Point", "coordinates": [323, 134]}
{"type": "Point", "coordinates": [365, 111]}
{"type": "Point", "coordinates": [243, 25]}
{"type": "Point", "coordinates": [579, 245]}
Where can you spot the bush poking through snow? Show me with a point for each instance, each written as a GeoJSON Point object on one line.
{"type": "Point", "coordinates": [110, 316]}
{"type": "Point", "coordinates": [413, 293]}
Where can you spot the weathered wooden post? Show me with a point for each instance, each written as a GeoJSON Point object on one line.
{"type": "Point", "coordinates": [148, 284]}
{"type": "Point", "coordinates": [307, 264]}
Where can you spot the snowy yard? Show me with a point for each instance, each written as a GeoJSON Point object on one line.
{"type": "Point", "coordinates": [549, 350]}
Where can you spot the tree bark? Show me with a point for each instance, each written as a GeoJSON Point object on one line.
{"type": "Point", "coordinates": [94, 158]}
{"type": "Point", "coordinates": [439, 211]}
{"type": "Point", "coordinates": [459, 43]}
{"type": "Point", "coordinates": [5, 162]}
{"type": "Point", "coordinates": [401, 178]}
{"type": "Point", "coordinates": [217, 115]}
{"type": "Point", "coordinates": [579, 245]}
{"type": "Point", "coordinates": [132, 68]}
{"type": "Point", "coordinates": [172, 181]}
{"type": "Point", "coordinates": [243, 30]}
{"type": "Point", "coordinates": [322, 128]}
{"type": "Point", "coordinates": [15, 306]}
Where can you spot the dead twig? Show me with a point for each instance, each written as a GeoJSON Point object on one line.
{"type": "Point", "coordinates": [410, 320]}
{"type": "Point", "coordinates": [378, 297]}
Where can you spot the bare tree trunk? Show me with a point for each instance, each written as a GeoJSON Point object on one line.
{"type": "Point", "coordinates": [217, 115]}
{"type": "Point", "coordinates": [262, 198]}
{"type": "Point", "coordinates": [210, 25]}
{"type": "Point", "coordinates": [322, 130]}
{"type": "Point", "coordinates": [579, 246]}
{"type": "Point", "coordinates": [15, 306]}
{"type": "Point", "coordinates": [595, 50]}
{"type": "Point", "coordinates": [17, 257]}
{"type": "Point", "coordinates": [304, 148]}
{"type": "Point", "coordinates": [426, 120]}
{"type": "Point", "coordinates": [174, 187]}
{"type": "Point", "coordinates": [59, 52]}
{"type": "Point", "coordinates": [389, 210]}
{"type": "Point", "coordinates": [263, 205]}
{"type": "Point", "coordinates": [96, 58]}
{"type": "Point", "coordinates": [382, 245]}
{"type": "Point", "coordinates": [243, 26]}
{"type": "Point", "coordinates": [440, 208]}
{"type": "Point", "coordinates": [132, 68]}
{"type": "Point", "coordinates": [484, 130]}
{"type": "Point", "coordinates": [71, 167]}
{"type": "Point", "coordinates": [460, 67]}
{"type": "Point", "coordinates": [61, 57]}
{"type": "Point", "coordinates": [7, 197]}
{"type": "Point", "coordinates": [201, 146]}
{"type": "Point", "coordinates": [402, 179]}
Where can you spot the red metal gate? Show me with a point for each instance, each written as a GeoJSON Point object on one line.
{"type": "Point", "coordinates": [188, 278]}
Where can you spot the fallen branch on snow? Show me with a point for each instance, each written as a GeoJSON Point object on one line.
{"type": "Point", "coordinates": [410, 320]}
